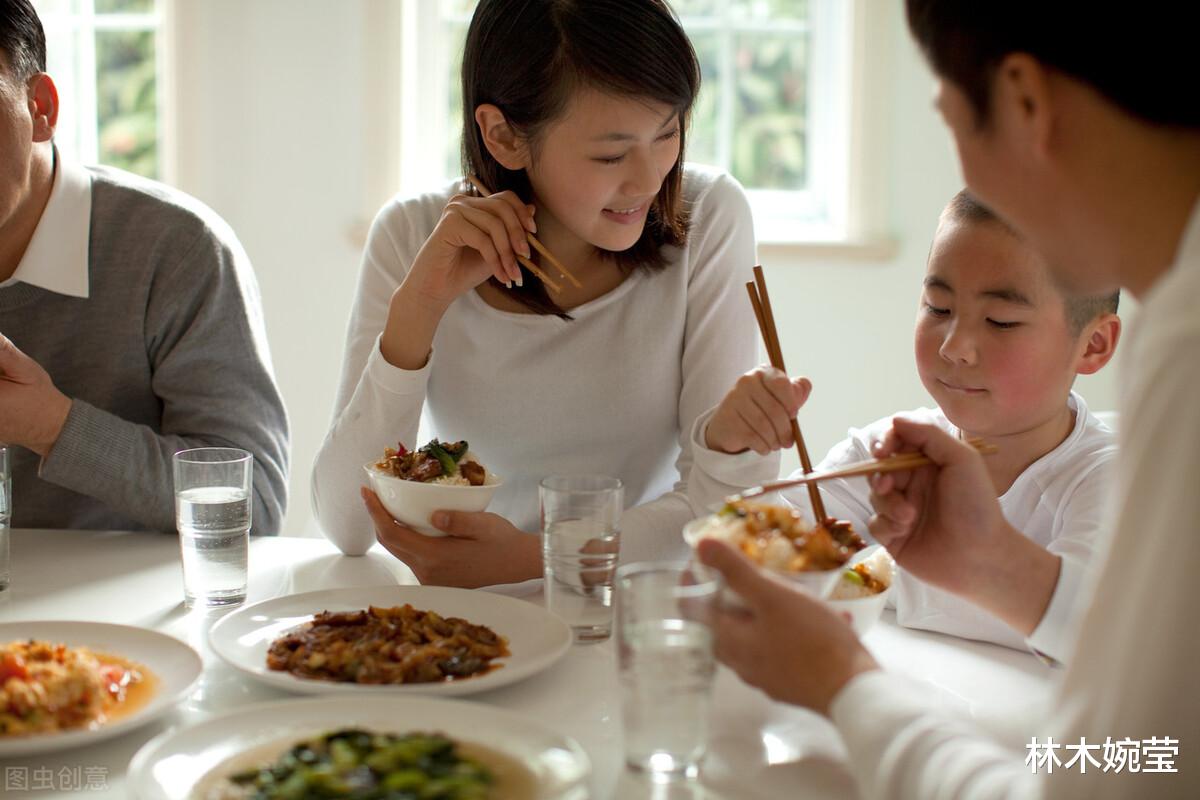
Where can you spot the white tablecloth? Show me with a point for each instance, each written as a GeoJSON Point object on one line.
{"type": "Point", "coordinates": [758, 749]}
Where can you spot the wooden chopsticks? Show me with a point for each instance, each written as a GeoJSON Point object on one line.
{"type": "Point", "coordinates": [766, 325]}
{"type": "Point", "coordinates": [896, 463]}
{"type": "Point", "coordinates": [536, 245]}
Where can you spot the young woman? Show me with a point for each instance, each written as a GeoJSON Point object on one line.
{"type": "Point", "coordinates": [574, 113]}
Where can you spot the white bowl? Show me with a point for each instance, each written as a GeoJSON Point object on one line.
{"type": "Point", "coordinates": [865, 611]}
{"type": "Point", "coordinates": [818, 583]}
{"type": "Point", "coordinates": [413, 503]}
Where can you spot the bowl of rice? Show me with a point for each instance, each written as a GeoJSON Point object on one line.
{"type": "Point", "coordinates": [780, 539]}
{"type": "Point", "coordinates": [864, 588]}
{"type": "Point", "coordinates": [441, 476]}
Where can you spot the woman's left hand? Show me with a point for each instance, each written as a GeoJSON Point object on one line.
{"type": "Point", "coordinates": [479, 548]}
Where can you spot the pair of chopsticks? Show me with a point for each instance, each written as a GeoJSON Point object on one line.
{"type": "Point", "coordinates": [536, 245]}
{"type": "Point", "coordinates": [875, 466]}
{"type": "Point", "coordinates": [761, 301]}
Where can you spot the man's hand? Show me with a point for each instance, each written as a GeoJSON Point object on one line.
{"type": "Point", "coordinates": [943, 524]}
{"type": "Point", "coordinates": [32, 410]}
{"type": "Point", "coordinates": [794, 648]}
{"type": "Point", "coordinates": [479, 549]}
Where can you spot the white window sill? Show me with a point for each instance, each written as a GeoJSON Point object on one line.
{"type": "Point", "coordinates": [869, 249]}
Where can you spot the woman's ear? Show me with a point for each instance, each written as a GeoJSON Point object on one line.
{"type": "Point", "coordinates": [501, 140]}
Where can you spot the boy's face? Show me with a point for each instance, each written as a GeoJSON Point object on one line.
{"type": "Point", "coordinates": [993, 345]}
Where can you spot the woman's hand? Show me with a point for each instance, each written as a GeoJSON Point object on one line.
{"type": "Point", "coordinates": [476, 238]}
{"type": "Point", "coordinates": [479, 549]}
{"type": "Point", "coordinates": [757, 413]}
{"type": "Point", "coordinates": [794, 648]}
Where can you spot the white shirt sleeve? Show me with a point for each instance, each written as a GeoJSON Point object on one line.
{"type": "Point", "coordinates": [720, 344]}
{"type": "Point", "coordinates": [373, 395]}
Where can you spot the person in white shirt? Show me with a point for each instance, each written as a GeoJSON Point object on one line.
{"type": "Point", "coordinates": [1096, 161]}
{"type": "Point", "coordinates": [998, 345]}
{"type": "Point", "coordinates": [582, 139]}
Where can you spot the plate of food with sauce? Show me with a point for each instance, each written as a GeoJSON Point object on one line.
{"type": "Point", "coordinates": [362, 747]}
{"type": "Point", "coordinates": [391, 639]}
{"type": "Point", "coordinates": [65, 684]}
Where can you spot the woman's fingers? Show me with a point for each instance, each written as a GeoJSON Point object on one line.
{"type": "Point", "coordinates": [487, 221]}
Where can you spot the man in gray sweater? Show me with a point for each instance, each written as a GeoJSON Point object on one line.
{"type": "Point", "coordinates": [130, 327]}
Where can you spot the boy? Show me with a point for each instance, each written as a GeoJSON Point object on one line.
{"type": "Point", "coordinates": [998, 347]}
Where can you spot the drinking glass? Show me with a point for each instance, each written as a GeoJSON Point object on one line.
{"type": "Point", "coordinates": [212, 513]}
{"type": "Point", "coordinates": [5, 515]}
{"type": "Point", "coordinates": [580, 543]}
{"type": "Point", "coordinates": [666, 664]}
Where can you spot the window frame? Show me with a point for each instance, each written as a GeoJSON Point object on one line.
{"type": "Point", "coordinates": [831, 214]}
{"type": "Point", "coordinates": [71, 61]}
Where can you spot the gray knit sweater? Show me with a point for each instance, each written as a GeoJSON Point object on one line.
{"type": "Point", "coordinates": [168, 352]}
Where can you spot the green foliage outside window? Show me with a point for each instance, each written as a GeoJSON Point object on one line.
{"type": "Point", "coordinates": [126, 98]}
{"type": "Point", "coordinates": [763, 135]}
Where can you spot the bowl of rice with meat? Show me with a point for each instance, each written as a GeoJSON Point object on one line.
{"type": "Point", "coordinates": [441, 476]}
{"type": "Point", "coordinates": [779, 538]}
{"type": "Point", "coordinates": [864, 588]}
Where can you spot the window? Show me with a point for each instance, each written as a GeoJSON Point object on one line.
{"type": "Point", "coordinates": [774, 106]}
{"type": "Point", "coordinates": [104, 57]}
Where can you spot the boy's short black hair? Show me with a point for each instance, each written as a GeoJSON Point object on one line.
{"type": "Point", "coordinates": [1080, 309]}
{"type": "Point", "coordinates": [1138, 61]}
{"type": "Point", "coordinates": [22, 40]}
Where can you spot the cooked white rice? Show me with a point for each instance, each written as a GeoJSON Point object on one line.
{"type": "Point", "coordinates": [459, 480]}
{"type": "Point", "coordinates": [879, 565]}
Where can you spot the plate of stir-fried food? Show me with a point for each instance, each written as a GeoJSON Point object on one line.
{"type": "Point", "coordinates": [63, 684]}
{"type": "Point", "coordinates": [362, 748]}
{"type": "Point", "coordinates": [391, 639]}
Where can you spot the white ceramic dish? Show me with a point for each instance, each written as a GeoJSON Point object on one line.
{"type": "Point", "coordinates": [865, 611]}
{"type": "Point", "coordinates": [413, 502]}
{"type": "Point", "coordinates": [536, 638]}
{"type": "Point", "coordinates": [175, 665]}
{"type": "Point", "coordinates": [817, 583]}
{"type": "Point", "coordinates": [171, 766]}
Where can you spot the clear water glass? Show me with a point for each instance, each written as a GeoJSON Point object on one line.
{"type": "Point", "coordinates": [581, 539]}
{"type": "Point", "coordinates": [666, 663]}
{"type": "Point", "coordinates": [212, 513]}
{"type": "Point", "coordinates": [5, 516]}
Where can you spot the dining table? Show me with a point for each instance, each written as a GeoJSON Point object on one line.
{"type": "Point", "coordinates": [758, 748]}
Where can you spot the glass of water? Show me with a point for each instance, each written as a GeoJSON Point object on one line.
{"type": "Point", "coordinates": [581, 538]}
{"type": "Point", "coordinates": [666, 663]}
{"type": "Point", "coordinates": [212, 512]}
{"type": "Point", "coordinates": [5, 515]}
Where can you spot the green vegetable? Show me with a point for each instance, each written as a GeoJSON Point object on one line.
{"type": "Point", "coordinates": [854, 577]}
{"type": "Point", "coordinates": [449, 465]}
{"type": "Point", "coordinates": [357, 764]}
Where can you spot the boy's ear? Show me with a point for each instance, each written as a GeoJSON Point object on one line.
{"type": "Point", "coordinates": [500, 139]}
{"type": "Point", "coordinates": [1099, 341]}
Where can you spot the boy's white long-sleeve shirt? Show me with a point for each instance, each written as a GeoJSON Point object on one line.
{"type": "Point", "coordinates": [622, 390]}
{"type": "Point", "coordinates": [1061, 501]}
{"type": "Point", "coordinates": [1133, 674]}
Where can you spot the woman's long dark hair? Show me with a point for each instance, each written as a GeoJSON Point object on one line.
{"type": "Point", "coordinates": [527, 57]}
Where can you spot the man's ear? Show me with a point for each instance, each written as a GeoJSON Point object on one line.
{"type": "Point", "coordinates": [1099, 344]}
{"type": "Point", "coordinates": [505, 145]}
{"type": "Point", "coordinates": [1023, 103]}
{"type": "Point", "coordinates": [43, 106]}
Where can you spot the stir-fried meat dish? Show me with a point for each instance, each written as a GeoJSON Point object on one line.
{"type": "Point", "coordinates": [779, 537]}
{"type": "Point", "coordinates": [386, 645]}
{"type": "Point", "coordinates": [441, 462]}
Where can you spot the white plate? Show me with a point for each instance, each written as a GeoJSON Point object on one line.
{"type": "Point", "coordinates": [170, 766]}
{"type": "Point", "coordinates": [536, 638]}
{"type": "Point", "coordinates": [176, 666]}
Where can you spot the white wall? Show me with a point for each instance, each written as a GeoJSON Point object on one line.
{"type": "Point", "coordinates": [286, 110]}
